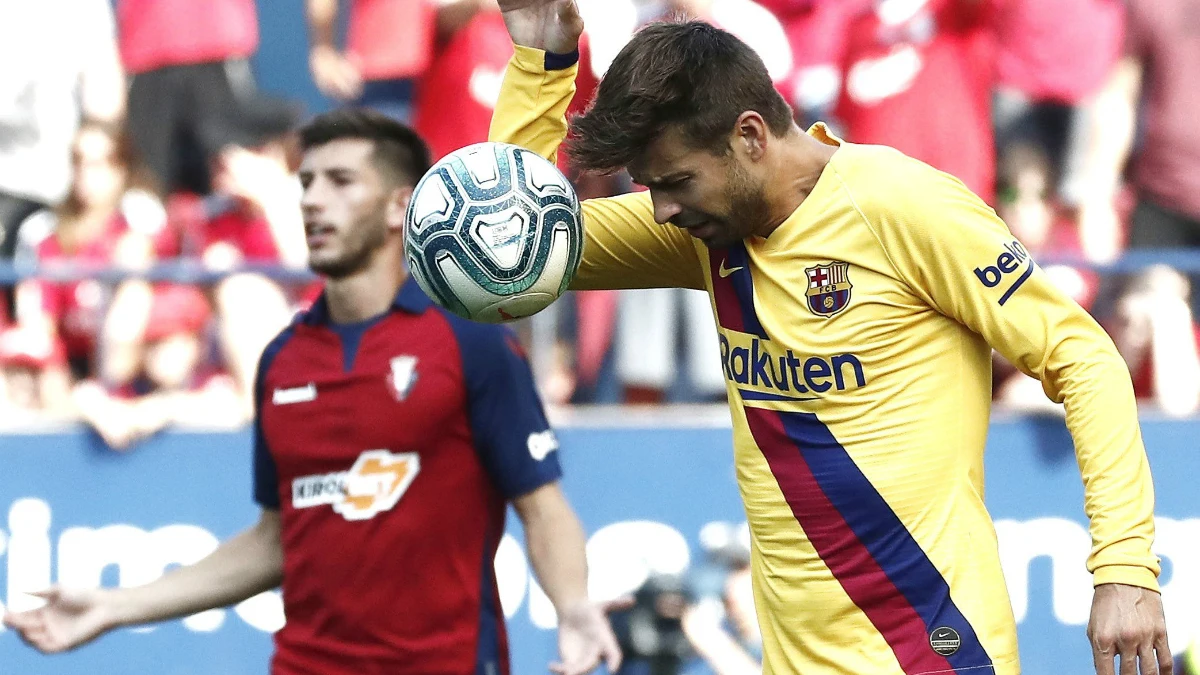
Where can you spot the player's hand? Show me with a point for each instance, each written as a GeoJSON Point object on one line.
{"type": "Point", "coordinates": [71, 617]}
{"type": "Point", "coordinates": [334, 74]}
{"type": "Point", "coordinates": [550, 25]}
{"type": "Point", "coordinates": [585, 639]}
{"type": "Point", "coordinates": [1128, 622]}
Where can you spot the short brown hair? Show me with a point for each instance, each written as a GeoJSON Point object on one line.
{"type": "Point", "coordinates": [399, 151]}
{"type": "Point", "coordinates": [689, 74]}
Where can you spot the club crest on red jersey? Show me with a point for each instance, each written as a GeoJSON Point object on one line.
{"type": "Point", "coordinates": [402, 376]}
{"type": "Point", "coordinates": [828, 289]}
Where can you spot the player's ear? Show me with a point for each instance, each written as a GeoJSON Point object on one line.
{"type": "Point", "coordinates": [750, 135]}
{"type": "Point", "coordinates": [397, 206]}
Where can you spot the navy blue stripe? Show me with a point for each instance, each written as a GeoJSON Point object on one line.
{"type": "Point", "coordinates": [487, 653]}
{"type": "Point", "coordinates": [1017, 284]}
{"type": "Point", "coordinates": [886, 538]}
{"type": "Point", "coordinates": [561, 61]}
{"type": "Point", "coordinates": [751, 395]}
{"type": "Point", "coordinates": [743, 286]}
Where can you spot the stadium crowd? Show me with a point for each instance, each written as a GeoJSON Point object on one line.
{"type": "Point", "coordinates": [133, 135]}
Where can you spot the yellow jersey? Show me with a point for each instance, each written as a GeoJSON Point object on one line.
{"type": "Point", "coordinates": [856, 342]}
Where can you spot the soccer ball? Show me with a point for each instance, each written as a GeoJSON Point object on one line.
{"type": "Point", "coordinates": [493, 233]}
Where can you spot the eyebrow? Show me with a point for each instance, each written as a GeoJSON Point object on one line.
{"type": "Point", "coordinates": [669, 178]}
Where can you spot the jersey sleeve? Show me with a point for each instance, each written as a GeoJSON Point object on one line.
{"type": "Point", "coordinates": [623, 246]}
{"type": "Point", "coordinates": [958, 256]}
{"type": "Point", "coordinates": [266, 474]}
{"type": "Point", "coordinates": [511, 435]}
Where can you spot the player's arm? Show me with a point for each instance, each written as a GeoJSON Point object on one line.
{"type": "Point", "coordinates": [624, 247]}
{"type": "Point", "coordinates": [244, 566]}
{"type": "Point", "coordinates": [520, 453]}
{"type": "Point", "coordinates": [960, 258]}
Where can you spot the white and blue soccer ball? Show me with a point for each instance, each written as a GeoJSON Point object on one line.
{"type": "Point", "coordinates": [493, 233]}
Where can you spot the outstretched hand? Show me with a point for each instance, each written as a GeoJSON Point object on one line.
{"type": "Point", "coordinates": [71, 617]}
{"type": "Point", "coordinates": [550, 25]}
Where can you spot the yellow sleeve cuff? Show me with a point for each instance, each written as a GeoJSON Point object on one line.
{"type": "Point", "coordinates": [529, 59]}
{"type": "Point", "coordinates": [1129, 575]}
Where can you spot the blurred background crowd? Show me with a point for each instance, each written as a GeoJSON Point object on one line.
{"type": "Point", "coordinates": [151, 241]}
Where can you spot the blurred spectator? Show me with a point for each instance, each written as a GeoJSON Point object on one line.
{"type": "Point", "coordinates": [105, 221]}
{"type": "Point", "coordinates": [655, 325]}
{"type": "Point", "coordinates": [722, 628]}
{"type": "Point", "coordinates": [816, 30]}
{"type": "Point", "coordinates": [1160, 70]}
{"type": "Point", "coordinates": [651, 632]}
{"type": "Point", "coordinates": [917, 75]}
{"type": "Point", "coordinates": [1041, 77]}
{"type": "Point", "coordinates": [172, 384]}
{"type": "Point", "coordinates": [1025, 202]}
{"type": "Point", "coordinates": [189, 69]}
{"type": "Point", "coordinates": [1156, 333]}
{"type": "Point", "coordinates": [389, 46]}
{"type": "Point", "coordinates": [61, 66]}
{"type": "Point", "coordinates": [464, 78]}
{"type": "Point", "coordinates": [746, 19]}
{"type": "Point", "coordinates": [253, 219]}
{"type": "Point", "coordinates": [34, 380]}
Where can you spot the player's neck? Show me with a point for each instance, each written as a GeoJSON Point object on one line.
{"type": "Point", "coordinates": [366, 293]}
{"type": "Point", "coordinates": [799, 167]}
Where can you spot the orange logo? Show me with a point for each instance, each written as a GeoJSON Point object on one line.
{"type": "Point", "coordinates": [374, 484]}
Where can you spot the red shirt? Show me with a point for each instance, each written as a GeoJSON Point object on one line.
{"type": "Point", "coordinates": [1040, 43]}
{"type": "Point", "coordinates": [193, 229]}
{"type": "Point", "coordinates": [390, 449]}
{"type": "Point", "coordinates": [158, 33]}
{"type": "Point", "coordinates": [391, 39]}
{"type": "Point", "coordinates": [465, 79]}
{"type": "Point", "coordinates": [923, 86]}
{"type": "Point", "coordinates": [458, 94]}
{"type": "Point", "coordinates": [77, 307]}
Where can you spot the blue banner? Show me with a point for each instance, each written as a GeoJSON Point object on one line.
{"type": "Point", "coordinates": [74, 512]}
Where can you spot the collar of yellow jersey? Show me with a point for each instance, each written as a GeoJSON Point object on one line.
{"type": "Point", "coordinates": [821, 132]}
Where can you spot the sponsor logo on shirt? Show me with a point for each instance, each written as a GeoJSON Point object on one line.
{"type": "Point", "coordinates": [541, 444]}
{"type": "Point", "coordinates": [373, 485]}
{"type": "Point", "coordinates": [763, 371]}
{"type": "Point", "coordinates": [292, 395]}
{"type": "Point", "coordinates": [1011, 261]}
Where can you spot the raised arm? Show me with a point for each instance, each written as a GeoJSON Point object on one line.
{"type": "Point", "coordinates": [624, 247]}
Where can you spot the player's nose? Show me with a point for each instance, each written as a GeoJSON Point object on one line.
{"type": "Point", "coordinates": [665, 210]}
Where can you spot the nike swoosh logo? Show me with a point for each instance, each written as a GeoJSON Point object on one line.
{"type": "Point", "coordinates": [726, 272]}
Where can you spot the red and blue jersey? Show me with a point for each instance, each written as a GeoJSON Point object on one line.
{"type": "Point", "coordinates": [390, 448]}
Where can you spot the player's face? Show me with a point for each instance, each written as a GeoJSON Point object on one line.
{"type": "Point", "coordinates": [712, 196]}
{"type": "Point", "coordinates": [345, 206]}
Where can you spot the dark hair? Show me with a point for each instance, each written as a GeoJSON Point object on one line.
{"type": "Point", "coordinates": [399, 151]}
{"type": "Point", "coordinates": [689, 74]}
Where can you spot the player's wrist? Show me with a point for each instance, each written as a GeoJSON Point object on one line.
{"type": "Point", "coordinates": [115, 609]}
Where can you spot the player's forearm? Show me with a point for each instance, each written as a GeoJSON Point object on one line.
{"type": "Point", "coordinates": [555, 542]}
{"type": "Point", "coordinates": [1110, 120]}
{"type": "Point", "coordinates": [532, 106]}
{"type": "Point", "coordinates": [1118, 492]}
{"type": "Point", "coordinates": [244, 566]}
{"type": "Point", "coordinates": [322, 16]}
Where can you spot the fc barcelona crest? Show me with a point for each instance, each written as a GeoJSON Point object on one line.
{"type": "Point", "coordinates": [828, 288]}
